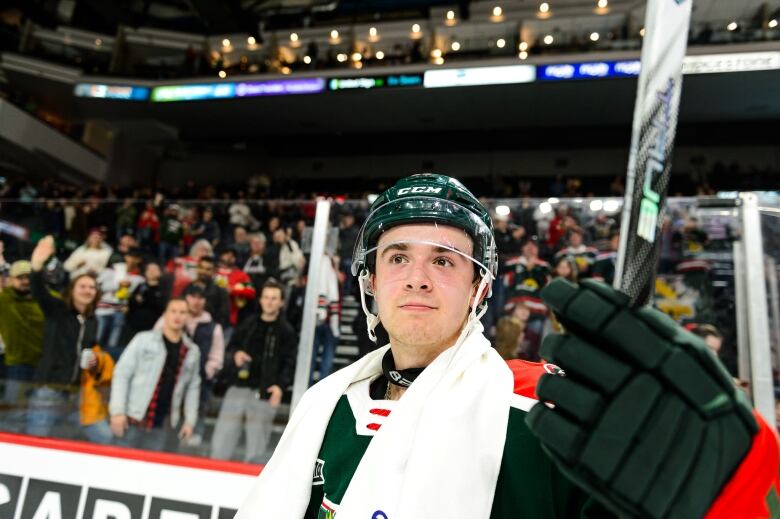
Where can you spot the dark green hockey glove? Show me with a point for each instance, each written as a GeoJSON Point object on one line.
{"type": "Point", "coordinates": [646, 419]}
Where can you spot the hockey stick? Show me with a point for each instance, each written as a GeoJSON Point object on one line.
{"type": "Point", "coordinates": [652, 139]}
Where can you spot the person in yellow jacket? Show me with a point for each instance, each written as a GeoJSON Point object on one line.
{"type": "Point", "coordinates": [93, 399]}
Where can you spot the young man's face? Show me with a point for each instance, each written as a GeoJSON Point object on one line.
{"type": "Point", "coordinates": [205, 270]}
{"type": "Point", "coordinates": [271, 300]}
{"type": "Point", "coordinates": [195, 304]}
{"type": "Point", "coordinates": [423, 291]}
{"type": "Point", "coordinates": [175, 315]}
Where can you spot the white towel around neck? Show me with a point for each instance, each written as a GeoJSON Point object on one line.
{"type": "Point", "coordinates": [437, 455]}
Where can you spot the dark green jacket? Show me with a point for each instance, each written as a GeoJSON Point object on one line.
{"type": "Point", "coordinates": [21, 327]}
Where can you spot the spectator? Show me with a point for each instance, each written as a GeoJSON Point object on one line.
{"type": "Point", "coordinates": [21, 327]}
{"type": "Point", "coordinates": [711, 336]}
{"type": "Point", "coordinates": [326, 333]}
{"type": "Point", "coordinates": [92, 257]}
{"type": "Point", "coordinates": [207, 229]}
{"type": "Point", "coordinates": [261, 358]}
{"type": "Point", "coordinates": [125, 219]}
{"type": "Point", "coordinates": [509, 335]}
{"type": "Point", "coordinates": [70, 328]}
{"type": "Point", "coordinates": [148, 227]}
{"type": "Point", "coordinates": [524, 280]}
{"type": "Point", "coordinates": [171, 234]}
{"type": "Point", "coordinates": [566, 267]}
{"type": "Point", "coordinates": [217, 300]}
{"type": "Point", "coordinates": [291, 260]}
{"type": "Point", "coordinates": [156, 381]}
{"type": "Point", "coordinates": [185, 269]}
{"type": "Point", "coordinates": [126, 243]}
{"type": "Point", "coordinates": [604, 266]}
{"type": "Point", "coordinates": [239, 213]}
{"type": "Point", "coordinates": [236, 282]}
{"type": "Point", "coordinates": [240, 245]}
{"type": "Point", "coordinates": [146, 304]}
{"type": "Point", "coordinates": [209, 338]}
{"type": "Point", "coordinates": [583, 255]}
{"type": "Point", "coordinates": [259, 266]}
{"type": "Point", "coordinates": [116, 283]}
{"type": "Point", "coordinates": [348, 233]}
{"type": "Point", "coordinates": [507, 236]}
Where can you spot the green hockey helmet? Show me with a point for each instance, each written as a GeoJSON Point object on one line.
{"type": "Point", "coordinates": [428, 198]}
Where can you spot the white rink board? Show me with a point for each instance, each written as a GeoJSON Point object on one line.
{"type": "Point", "coordinates": [50, 483]}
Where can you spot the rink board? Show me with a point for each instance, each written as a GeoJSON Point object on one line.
{"type": "Point", "coordinates": [44, 478]}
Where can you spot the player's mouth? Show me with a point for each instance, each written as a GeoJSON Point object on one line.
{"type": "Point", "coordinates": [417, 307]}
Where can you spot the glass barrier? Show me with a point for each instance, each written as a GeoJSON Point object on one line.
{"type": "Point", "coordinates": [152, 324]}
{"type": "Point", "coordinates": [770, 229]}
{"type": "Point", "coordinates": [111, 378]}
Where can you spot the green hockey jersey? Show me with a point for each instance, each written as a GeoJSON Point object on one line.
{"type": "Point", "coordinates": [529, 486]}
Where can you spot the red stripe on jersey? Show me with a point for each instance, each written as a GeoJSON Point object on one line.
{"type": "Point", "coordinates": [373, 426]}
{"type": "Point", "coordinates": [527, 375]}
{"type": "Point", "coordinates": [380, 412]}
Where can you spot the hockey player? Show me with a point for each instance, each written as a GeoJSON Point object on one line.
{"type": "Point", "coordinates": [436, 425]}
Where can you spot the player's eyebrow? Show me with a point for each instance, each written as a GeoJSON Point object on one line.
{"type": "Point", "coordinates": [439, 249]}
{"type": "Point", "coordinates": [394, 247]}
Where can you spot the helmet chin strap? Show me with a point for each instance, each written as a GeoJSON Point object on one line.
{"type": "Point", "coordinates": [372, 321]}
{"type": "Point", "coordinates": [477, 309]}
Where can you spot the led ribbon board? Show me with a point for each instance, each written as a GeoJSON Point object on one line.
{"type": "Point", "coordinates": [375, 82]}
{"type": "Point", "coordinates": [479, 76]}
{"type": "Point", "coordinates": [120, 92]}
{"type": "Point", "coordinates": [701, 64]}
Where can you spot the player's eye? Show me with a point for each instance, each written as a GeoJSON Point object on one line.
{"type": "Point", "coordinates": [397, 259]}
{"type": "Point", "coordinates": [443, 261]}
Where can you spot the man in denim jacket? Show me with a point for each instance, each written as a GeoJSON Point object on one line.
{"type": "Point", "coordinates": [157, 379]}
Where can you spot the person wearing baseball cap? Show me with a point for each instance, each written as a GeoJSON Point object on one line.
{"type": "Point", "coordinates": [21, 326]}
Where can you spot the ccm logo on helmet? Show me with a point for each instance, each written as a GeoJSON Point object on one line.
{"type": "Point", "coordinates": [419, 189]}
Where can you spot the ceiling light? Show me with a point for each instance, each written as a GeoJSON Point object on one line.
{"type": "Point", "coordinates": [523, 55]}
{"type": "Point", "coordinates": [285, 70]}
{"type": "Point", "coordinates": [545, 208]}
{"type": "Point", "coordinates": [341, 58]}
{"type": "Point", "coordinates": [594, 36]}
{"type": "Point", "coordinates": [596, 205]}
{"type": "Point", "coordinates": [553, 200]}
{"type": "Point", "coordinates": [416, 28]}
{"type": "Point", "coordinates": [372, 32]}
{"type": "Point", "coordinates": [251, 40]}
{"type": "Point", "coordinates": [439, 61]}
{"type": "Point", "coordinates": [497, 11]}
{"type": "Point", "coordinates": [501, 43]}
{"type": "Point", "coordinates": [602, 4]}
{"type": "Point", "coordinates": [358, 64]}
{"type": "Point", "coordinates": [642, 32]}
{"type": "Point", "coordinates": [772, 23]}
{"type": "Point", "coordinates": [334, 34]}
{"type": "Point", "coordinates": [226, 43]}
{"type": "Point", "coordinates": [222, 74]}
{"type": "Point", "coordinates": [450, 15]}
{"type": "Point", "coordinates": [294, 37]}
{"type": "Point", "coordinates": [611, 206]}
{"type": "Point", "coordinates": [380, 55]}
{"type": "Point", "coordinates": [544, 7]}
{"type": "Point", "coordinates": [523, 45]}
{"type": "Point", "coordinates": [548, 39]}
{"type": "Point", "coordinates": [455, 46]}
{"type": "Point", "coordinates": [357, 56]}
{"type": "Point", "coordinates": [307, 60]}
{"type": "Point", "coordinates": [732, 26]}
{"type": "Point", "coordinates": [502, 210]}
{"type": "Point", "coordinates": [98, 42]}
{"type": "Point", "coordinates": [436, 53]}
